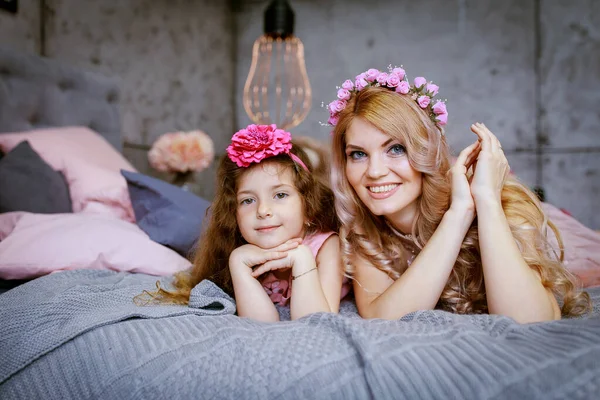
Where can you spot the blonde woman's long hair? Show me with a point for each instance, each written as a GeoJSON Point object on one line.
{"type": "Point", "coordinates": [365, 235]}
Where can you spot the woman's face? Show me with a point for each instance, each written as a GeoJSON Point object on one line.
{"type": "Point", "coordinates": [377, 168]}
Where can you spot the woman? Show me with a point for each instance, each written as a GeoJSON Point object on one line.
{"type": "Point", "coordinates": [418, 233]}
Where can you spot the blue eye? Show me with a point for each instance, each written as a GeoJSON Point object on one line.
{"type": "Point", "coordinates": [397, 150]}
{"type": "Point", "coordinates": [281, 195]}
{"type": "Point", "coordinates": [246, 201]}
{"type": "Point", "coordinates": [357, 155]}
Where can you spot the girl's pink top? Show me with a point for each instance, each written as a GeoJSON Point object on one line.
{"type": "Point", "coordinates": [278, 283]}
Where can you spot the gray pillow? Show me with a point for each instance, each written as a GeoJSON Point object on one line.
{"type": "Point", "coordinates": [169, 215]}
{"type": "Point", "coordinates": [28, 183]}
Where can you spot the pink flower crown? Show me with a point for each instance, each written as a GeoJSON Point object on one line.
{"type": "Point", "coordinates": [421, 91]}
{"type": "Point", "coordinates": [257, 142]}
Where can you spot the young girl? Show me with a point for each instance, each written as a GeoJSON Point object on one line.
{"type": "Point", "coordinates": [409, 234]}
{"type": "Point", "coordinates": [271, 229]}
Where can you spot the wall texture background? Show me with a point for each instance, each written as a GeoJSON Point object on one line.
{"type": "Point", "coordinates": [528, 69]}
{"type": "Point", "coordinates": [174, 59]}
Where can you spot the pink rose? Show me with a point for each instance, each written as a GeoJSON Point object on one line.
{"type": "Point", "coordinates": [372, 74]}
{"type": "Point", "coordinates": [382, 78]}
{"type": "Point", "coordinates": [400, 72]}
{"type": "Point", "coordinates": [348, 85]}
{"type": "Point", "coordinates": [256, 143]}
{"type": "Point", "coordinates": [440, 108]}
{"type": "Point", "coordinates": [403, 87]}
{"type": "Point", "coordinates": [333, 120]}
{"type": "Point", "coordinates": [423, 101]}
{"type": "Point", "coordinates": [419, 81]}
{"type": "Point", "coordinates": [393, 80]}
{"type": "Point", "coordinates": [336, 106]}
{"type": "Point", "coordinates": [182, 152]}
{"type": "Point", "coordinates": [198, 151]}
{"type": "Point", "coordinates": [343, 94]}
{"type": "Point", "coordinates": [330, 107]}
{"type": "Point", "coordinates": [431, 88]}
{"type": "Point", "coordinates": [442, 119]}
{"type": "Point", "coordinates": [361, 83]}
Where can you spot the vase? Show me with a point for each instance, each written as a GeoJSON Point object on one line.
{"type": "Point", "coordinates": [183, 180]}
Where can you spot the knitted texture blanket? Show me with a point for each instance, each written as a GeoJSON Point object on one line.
{"type": "Point", "coordinates": [78, 335]}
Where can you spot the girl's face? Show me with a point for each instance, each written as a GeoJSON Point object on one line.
{"type": "Point", "coordinates": [269, 207]}
{"type": "Point", "coordinates": [377, 168]}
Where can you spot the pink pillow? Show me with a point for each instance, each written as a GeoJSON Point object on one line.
{"type": "Point", "coordinates": [581, 245]}
{"type": "Point", "coordinates": [37, 244]}
{"type": "Point", "coordinates": [89, 163]}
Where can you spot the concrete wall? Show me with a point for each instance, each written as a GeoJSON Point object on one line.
{"type": "Point", "coordinates": [569, 111]}
{"type": "Point", "coordinates": [529, 69]}
{"type": "Point", "coordinates": [173, 57]}
{"type": "Point", "coordinates": [21, 31]}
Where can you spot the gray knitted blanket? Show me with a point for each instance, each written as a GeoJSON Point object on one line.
{"type": "Point", "coordinates": [78, 335]}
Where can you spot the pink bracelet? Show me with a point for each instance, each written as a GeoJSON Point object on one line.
{"type": "Point", "coordinates": [304, 273]}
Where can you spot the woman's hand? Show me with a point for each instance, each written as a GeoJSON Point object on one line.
{"type": "Point", "coordinates": [491, 168]}
{"type": "Point", "coordinates": [249, 255]}
{"type": "Point", "coordinates": [462, 199]}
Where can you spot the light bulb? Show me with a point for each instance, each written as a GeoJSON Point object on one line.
{"type": "Point", "coordinates": [277, 90]}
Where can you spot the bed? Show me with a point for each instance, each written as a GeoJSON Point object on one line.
{"type": "Point", "coordinates": [69, 328]}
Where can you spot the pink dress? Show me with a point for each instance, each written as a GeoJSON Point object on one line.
{"type": "Point", "coordinates": [278, 283]}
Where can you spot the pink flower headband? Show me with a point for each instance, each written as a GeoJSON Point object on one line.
{"type": "Point", "coordinates": [421, 91]}
{"type": "Point", "coordinates": [257, 142]}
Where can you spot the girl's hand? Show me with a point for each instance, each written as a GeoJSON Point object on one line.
{"type": "Point", "coordinates": [249, 255]}
{"type": "Point", "coordinates": [462, 199]}
{"type": "Point", "coordinates": [298, 258]}
{"type": "Point", "coordinates": [491, 168]}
